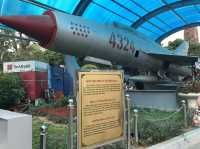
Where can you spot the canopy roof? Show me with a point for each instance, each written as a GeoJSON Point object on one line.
{"type": "Point", "coordinates": [155, 18]}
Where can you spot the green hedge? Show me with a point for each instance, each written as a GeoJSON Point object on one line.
{"type": "Point", "coordinates": [11, 90]}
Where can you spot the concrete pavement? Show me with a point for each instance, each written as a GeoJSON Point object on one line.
{"type": "Point", "coordinates": [188, 140]}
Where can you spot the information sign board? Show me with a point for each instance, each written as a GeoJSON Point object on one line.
{"type": "Point", "coordinates": [100, 108]}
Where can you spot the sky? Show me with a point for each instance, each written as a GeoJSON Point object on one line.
{"type": "Point", "coordinates": [175, 36]}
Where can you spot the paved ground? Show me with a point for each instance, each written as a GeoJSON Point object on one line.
{"type": "Point", "coordinates": [197, 146]}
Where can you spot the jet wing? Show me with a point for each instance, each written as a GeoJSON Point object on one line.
{"type": "Point", "coordinates": [177, 59]}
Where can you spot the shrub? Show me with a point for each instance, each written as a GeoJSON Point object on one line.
{"type": "Point", "coordinates": [1, 68]}
{"type": "Point", "coordinates": [39, 102]}
{"type": "Point", "coordinates": [11, 90]}
{"type": "Point", "coordinates": [62, 102]}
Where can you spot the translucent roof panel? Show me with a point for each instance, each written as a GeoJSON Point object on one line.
{"type": "Point", "coordinates": [115, 8]}
{"type": "Point", "coordinates": [178, 28]}
{"type": "Point", "coordinates": [152, 28]}
{"type": "Point", "coordinates": [104, 15]}
{"type": "Point", "coordinates": [190, 13]}
{"type": "Point", "coordinates": [154, 18]}
{"type": "Point", "coordinates": [147, 32]}
{"type": "Point", "coordinates": [129, 4]}
{"type": "Point", "coordinates": [16, 7]}
{"type": "Point", "coordinates": [170, 18]}
{"type": "Point", "coordinates": [65, 5]}
{"type": "Point", "coordinates": [150, 4]}
{"type": "Point", "coordinates": [162, 24]}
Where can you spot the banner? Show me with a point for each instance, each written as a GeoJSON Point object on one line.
{"type": "Point", "coordinates": [24, 66]}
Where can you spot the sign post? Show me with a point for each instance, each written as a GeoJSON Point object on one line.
{"type": "Point", "coordinates": [100, 108]}
{"type": "Point", "coordinates": [70, 125]}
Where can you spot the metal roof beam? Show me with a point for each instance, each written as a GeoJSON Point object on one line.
{"type": "Point", "coordinates": [150, 30]}
{"type": "Point", "coordinates": [121, 16]}
{"type": "Point", "coordinates": [180, 17]}
{"type": "Point", "coordinates": [176, 13]}
{"type": "Point", "coordinates": [83, 4]}
{"type": "Point", "coordinates": [140, 6]}
{"type": "Point", "coordinates": [159, 39]}
{"type": "Point", "coordinates": [112, 12]}
{"type": "Point", "coordinates": [162, 9]}
{"type": "Point", "coordinates": [129, 10]}
{"type": "Point", "coordinates": [41, 5]}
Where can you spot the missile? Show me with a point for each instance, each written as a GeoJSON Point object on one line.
{"type": "Point", "coordinates": [117, 43]}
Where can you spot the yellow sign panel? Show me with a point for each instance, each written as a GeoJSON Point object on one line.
{"type": "Point", "coordinates": [100, 108]}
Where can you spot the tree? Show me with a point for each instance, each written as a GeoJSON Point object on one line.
{"type": "Point", "coordinates": [194, 49]}
{"type": "Point", "coordinates": [172, 45]}
{"type": "Point", "coordinates": [11, 90]}
{"type": "Point", "coordinates": [54, 57]}
{"type": "Point", "coordinates": [41, 54]}
{"type": "Point", "coordinates": [5, 44]}
{"type": "Point", "coordinates": [13, 49]}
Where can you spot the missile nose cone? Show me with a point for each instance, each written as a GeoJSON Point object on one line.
{"type": "Point", "coordinates": [42, 28]}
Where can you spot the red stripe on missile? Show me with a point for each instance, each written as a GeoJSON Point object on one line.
{"type": "Point", "coordinates": [43, 28]}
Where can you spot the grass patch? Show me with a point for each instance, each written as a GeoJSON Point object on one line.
{"type": "Point", "coordinates": [155, 126]}
{"type": "Point", "coordinates": [56, 134]}
{"type": "Point", "coordinates": [151, 129]}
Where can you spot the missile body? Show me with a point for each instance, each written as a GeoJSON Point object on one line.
{"type": "Point", "coordinates": [77, 36]}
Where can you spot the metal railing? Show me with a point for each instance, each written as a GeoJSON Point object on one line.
{"type": "Point", "coordinates": [132, 118]}
{"type": "Point", "coordinates": [136, 115]}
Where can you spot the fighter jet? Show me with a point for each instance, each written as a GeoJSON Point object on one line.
{"type": "Point", "coordinates": [117, 43]}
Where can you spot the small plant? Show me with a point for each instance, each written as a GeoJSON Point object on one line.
{"type": "Point", "coordinates": [61, 102]}
{"type": "Point", "coordinates": [57, 119]}
{"type": "Point", "coordinates": [193, 86]}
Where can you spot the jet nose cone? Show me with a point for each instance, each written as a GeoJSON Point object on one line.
{"type": "Point", "coordinates": [42, 28]}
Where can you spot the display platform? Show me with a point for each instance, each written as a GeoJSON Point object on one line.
{"type": "Point", "coordinates": [15, 130]}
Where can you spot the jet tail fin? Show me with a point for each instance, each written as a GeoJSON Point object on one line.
{"type": "Point", "coordinates": [182, 49]}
